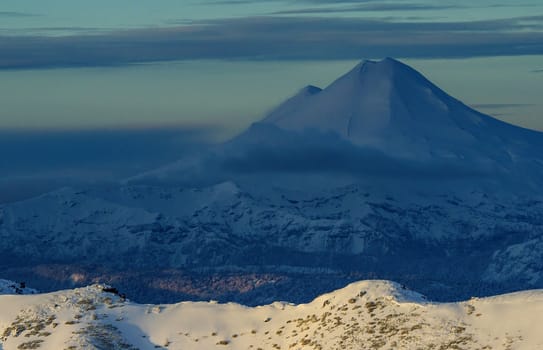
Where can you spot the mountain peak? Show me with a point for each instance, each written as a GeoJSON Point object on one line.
{"type": "Point", "coordinates": [386, 66]}
{"type": "Point", "coordinates": [378, 72]}
{"type": "Point", "coordinates": [382, 70]}
{"type": "Point", "coordinates": [389, 106]}
{"type": "Point", "coordinates": [385, 62]}
{"type": "Point", "coordinates": [290, 106]}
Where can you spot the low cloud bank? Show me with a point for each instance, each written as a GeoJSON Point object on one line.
{"type": "Point", "coordinates": [34, 162]}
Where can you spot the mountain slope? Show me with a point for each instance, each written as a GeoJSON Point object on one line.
{"type": "Point", "coordinates": [368, 314]}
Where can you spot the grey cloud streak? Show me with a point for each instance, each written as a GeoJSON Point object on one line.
{"type": "Point", "coordinates": [14, 14]}
{"type": "Point", "coordinates": [278, 38]}
{"type": "Point", "coordinates": [369, 7]}
{"type": "Point", "coordinates": [316, 2]}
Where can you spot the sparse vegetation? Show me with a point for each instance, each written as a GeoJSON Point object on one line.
{"type": "Point", "coordinates": [104, 336]}
{"type": "Point", "coordinates": [350, 323]}
{"type": "Point", "coordinates": [33, 344]}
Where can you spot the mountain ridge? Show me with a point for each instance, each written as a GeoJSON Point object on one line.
{"type": "Point", "coordinates": [370, 314]}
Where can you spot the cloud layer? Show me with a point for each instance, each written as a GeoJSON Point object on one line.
{"type": "Point", "coordinates": [278, 38]}
{"type": "Point", "coordinates": [367, 7]}
{"type": "Point", "coordinates": [265, 153]}
{"type": "Point", "coordinates": [35, 162]}
{"type": "Point", "coordinates": [15, 14]}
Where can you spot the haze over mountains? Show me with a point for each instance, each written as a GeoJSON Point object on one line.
{"type": "Point", "coordinates": [379, 175]}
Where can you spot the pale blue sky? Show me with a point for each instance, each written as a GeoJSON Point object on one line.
{"type": "Point", "coordinates": [122, 63]}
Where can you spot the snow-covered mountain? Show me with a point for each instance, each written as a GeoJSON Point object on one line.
{"type": "Point", "coordinates": [363, 315]}
{"type": "Point", "coordinates": [379, 175]}
{"type": "Point", "coordinates": [448, 246]}
{"type": "Point", "coordinates": [391, 107]}
{"type": "Point", "coordinates": [381, 119]}
{"type": "Point", "coordinates": [10, 287]}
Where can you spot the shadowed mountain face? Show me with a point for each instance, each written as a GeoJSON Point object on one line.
{"type": "Point", "coordinates": [379, 175]}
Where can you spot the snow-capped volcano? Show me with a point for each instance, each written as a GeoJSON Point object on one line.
{"type": "Point", "coordinates": [380, 119]}
{"type": "Point", "coordinates": [389, 106]}
{"type": "Point", "coordinates": [381, 174]}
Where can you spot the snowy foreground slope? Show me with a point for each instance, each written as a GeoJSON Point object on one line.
{"type": "Point", "coordinates": [363, 315]}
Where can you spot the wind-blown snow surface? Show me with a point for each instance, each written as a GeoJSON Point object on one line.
{"type": "Point", "coordinates": [363, 315]}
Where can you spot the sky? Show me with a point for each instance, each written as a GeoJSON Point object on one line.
{"type": "Point", "coordinates": [171, 70]}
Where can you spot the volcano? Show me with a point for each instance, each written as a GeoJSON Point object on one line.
{"type": "Point", "coordinates": [379, 175]}
{"type": "Point", "coordinates": [382, 118]}
{"type": "Point", "coordinates": [391, 107]}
